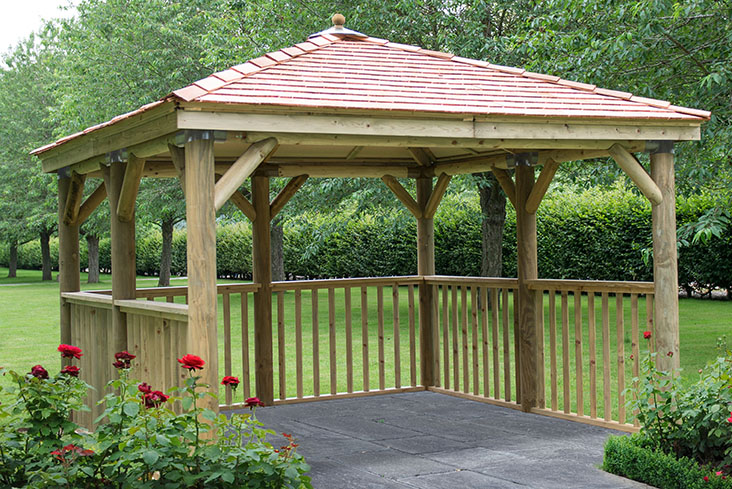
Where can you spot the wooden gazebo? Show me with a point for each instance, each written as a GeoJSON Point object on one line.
{"type": "Point", "coordinates": [342, 104]}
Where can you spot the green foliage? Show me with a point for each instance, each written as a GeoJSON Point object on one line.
{"type": "Point", "coordinates": [632, 457]}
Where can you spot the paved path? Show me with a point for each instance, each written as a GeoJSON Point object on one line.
{"type": "Point", "coordinates": [429, 441]}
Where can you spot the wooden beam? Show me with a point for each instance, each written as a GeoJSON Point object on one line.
{"type": "Point", "coordinates": [130, 186]}
{"type": "Point", "coordinates": [472, 165]}
{"type": "Point", "coordinates": [68, 260]}
{"type": "Point", "coordinates": [239, 200]}
{"type": "Point", "coordinates": [541, 186]}
{"type": "Point", "coordinates": [73, 199]}
{"type": "Point", "coordinates": [425, 267]}
{"type": "Point", "coordinates": [635, 171]}
{"type": "Point", "coordinates": [354, 152]}
{"type": "Point", "coordinates": [402, 195]}
{"type": "Point", "coordinates": [436, 196]}
{"type": "Point", "coordinates": [506, 182]}
{"type": "Point", "coordinates": [91, 203]}
{"type": "Point", "coordinates": [342, 171]}
{"type": "Point", "coordinates": [421, 156]}
{"type": "Point", "coordinates": [242, 169]}
{"type": "Point", "coordinates": [178, 156]}
{"type": "Point", "coordinates": [286, 194]}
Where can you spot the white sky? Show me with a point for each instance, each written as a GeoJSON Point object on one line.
{"type": "Point", "coordinates": [21, 17]}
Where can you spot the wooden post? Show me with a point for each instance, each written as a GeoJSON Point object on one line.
{"type": "Point", "coordinates": [262, 275]}
{"type": "Point", "coordinates": [426, 266]}
{"type": "Point", "coordinates": [527, 270]}
{"type": "Point", "coordinates": [68, 257]}
{"type": "Point", "coordinates": [665, 273]}
{"type": "Point", "coordinates": [202, 337]}
{"type": "Point", "coordinates": [122, 251]}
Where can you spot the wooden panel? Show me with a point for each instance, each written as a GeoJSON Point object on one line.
{"type": "Point", "coordinates": [553, 347]}
{"type": "Point", "coordinates": [634, 340]}
{"type": "Point", "coordinates": [281, 355]}
{"type": "Point", "coordinates": [591, 338]}
{"type": "Point", "coordinates": [245, 345]}
{"type": "Point", "coordinates": [455, 349]}
{"type": "Point", "coordinates": [494, 331]}
{"type": "Point", "coordinates": [606, 358]}
{"type": "Point", "coordinates": [298, 343]}
{"type": "Point", "coordinates": [227, 343]}
{"type": "Point", "coordinates": [365, 338]}
{"type": "Point", "coordinates": [464, 337]}
{"type": "Point", "coordinates": [484, 337]}
{"type": "Point", "coordinates": [413, 339]}
{"type": "Point", "coordinates": [541, 375]}
{"type": "Point", "coordinates": [332, 342]}
{"type": "Point", "coordinates": [620, 325]}
{"type": "Point", "coordinates": [380, 319]}
{"type": "Point", "coordinates": [566, 380]}
{"type": "Point", "coordinates": [445, 338]}
{"type": "Point", "coordinates": [517, 345]}
{"type": "Point", "coordinates": [474, 345]}
{"type": "Point", "coordinates": [397, 343]}
{"type": "Point", "coordinates": [349, 340]}
{"type": "Point", "coordinates": [506, 349]}
{"type": "Point", "coordinates": [578, 358]}
{"type": "Point", "coordinates": [316, 343]}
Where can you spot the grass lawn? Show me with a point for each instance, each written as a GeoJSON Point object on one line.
{"type": "Point", "coordinates": [29, 334]}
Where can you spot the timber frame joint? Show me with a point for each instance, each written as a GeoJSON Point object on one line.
{"type": "Point", "coordinates": [658, 147]}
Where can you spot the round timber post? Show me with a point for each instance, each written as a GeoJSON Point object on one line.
{"type": "Point", "coordinates": [68, 258]}
{"type": "Point", "coordinates": [526, 363]}
{"type": "Point", "coordinates": [426, 266]}
{"type": "Point", "coordinates": [665, 272]}
{"type": "Point", "coordinates": [262, 275]}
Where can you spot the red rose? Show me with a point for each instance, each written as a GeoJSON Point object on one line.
{"type": "Point", "coordinates": [253, 402]}
{"type": "Point", "coordinates": [124, 359]}
{"type": "Point", "coordinates": [729, 420]}
{"type": "Point", "coordinates": [706, 478]}
{"type": "Point", "coordinates": [154, 399]}
{"type": "Point", "coordinates": [119, 365]}
{"type": "Point", "coordinates": [68, 351]}
{"type": "Point", "coordinates": [232, 381]}
{"type": "Point", "coordinates": [39, 372]}
{"type": "Point", "coordinates": [670, 354]}
{"type": "Point", "coordinates": [144, 388]}
{"type": "Point", "coordinates": [191, 362]}
{"type": "Point", "coordinates": [71, 370]}
{"type": "Point", "coordinates": [647, 335]}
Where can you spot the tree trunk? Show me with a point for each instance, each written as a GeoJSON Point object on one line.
{"type": "Point", "coordinates": [493, 206]}
{"type": "Point", "coordinates": [46, 255]}
{"type": "Point", "coordinates": [166, 256]}
{"type": "Point", "coordinates": [13, 260]}
{"type": "Point", "coordinates": [92, 244]}
{"type": "Point", "coordinates": [277, 237]}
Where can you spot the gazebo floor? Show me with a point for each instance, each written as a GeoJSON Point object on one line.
{"type": "Point", "coordinates": [428, 440]}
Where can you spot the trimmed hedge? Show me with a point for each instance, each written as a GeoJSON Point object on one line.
{"type": "Point", "coordinates": [628, 457]}
{"type": "Point", "coordinates": [593, 234]}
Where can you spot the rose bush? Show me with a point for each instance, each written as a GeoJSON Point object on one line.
{"type": "Point", "coordinates": [145, 439]}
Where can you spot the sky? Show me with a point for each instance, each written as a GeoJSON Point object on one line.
{"type": "Point", "coordinates": [20, 18]}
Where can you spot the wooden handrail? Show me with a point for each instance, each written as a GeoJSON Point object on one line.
{"type": "Point", "coordinates": [480, 281]}
{"type": "Point", "coordinates": [88, 299]}
{"type": "Point", "coordinates": [593, 286]}
{"type": "Point", "coordinates": [165, 310]}
{"type": "Point", "coordinates": [345, 282]}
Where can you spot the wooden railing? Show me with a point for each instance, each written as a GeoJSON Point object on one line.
{"type": "Point", "coordinates": [586, 361]}
{"type": "Point", "coordinates": [476, 329]}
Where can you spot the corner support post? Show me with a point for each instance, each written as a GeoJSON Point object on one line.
{"type": "Point", "coordinates": [68, 258]}
{"type": "Point", "coordinates": [426, 266]}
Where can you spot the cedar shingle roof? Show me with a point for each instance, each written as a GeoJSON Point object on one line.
{"type": "Point", "coordinates": [365, 73]}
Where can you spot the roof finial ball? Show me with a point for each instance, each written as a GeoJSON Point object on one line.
{"type": "Point", "coordinates": [338, 20]}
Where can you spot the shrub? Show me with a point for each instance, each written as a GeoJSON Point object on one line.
{"type": "Point", "coordinates": [142, 444]}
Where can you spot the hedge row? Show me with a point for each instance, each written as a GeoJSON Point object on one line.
{"type": "Point", "coordinates": [628, 457]}
{"type": "Point", "coordinates": [594, 235]}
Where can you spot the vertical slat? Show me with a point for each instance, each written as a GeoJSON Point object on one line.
{"type": "Point", "coordinates": [281, 358]}
{"type": "Point", "coordinates": [506, 350]}
{"type": "Point", "coordinates": [169, 298]}
{"type": "Point", "coordinates": [445, 339]}
{"type": "Point", "coordinates": [516, 346]}
{"type": "Point", "coordinates": [436, 331]}
{"type": "Point", "coordinates": [380, 319]}
{"type": "Point", "coordinates": [349, 340]}
{"type": "Point", "coordinates": [566, 381]}
{"type": "Point", "coordinates": [553, 347]}
{"type": "Point", "coordinates": [649, 321]}
{"type": "Point", "coordinates": [494, 327]}
{"type": "Point", "coordinates": [464, 337]}
{"type": "Point", "coordinates": [365, 337]}
{"type": "Point", "coordinates": [455, 350]}
{"type": "Point", "coordinates": [474, 321]}
{"type": "Point", "coordinates": [484, 337]}
{"type": "Point", "coordinates": [413, 338]}
{"type": "Point", "coordinates": [541, 391]}
{"type": "Point", "coordinates": [606, 357]}
{"type": "Point", "coordinates": [593, 353]}
{"type": "Point", "coordinates": [227, 343]}
{"type": "Point", "coordinates": [397, 342]}
{"type": "Point", "coordinates": [620, 324]}
{"type": "Point", "coordinates": [578, 358]}
{"type": "Point", "coordinates": [246, 388]}
{"type": "Point", "coordinates": [635, 339]}
{"type": "Point", "coordinates": [316, 342]}
{"type": "Point", "coordinates": [298, 343]}
{"type": "Point", "coordinates": [332, 336]}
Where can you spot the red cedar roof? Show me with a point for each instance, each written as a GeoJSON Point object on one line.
{"type": "Point", "coordinates": [365, 73]}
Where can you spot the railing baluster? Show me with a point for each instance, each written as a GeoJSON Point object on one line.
{"type": "Point", "coordinates": [227, 344]}
{"type": "Point", "coordinates": [649, 321]}
{"type": "Point", "coordinates": [316, 343]}
{"type": "Point", "coordinates": [494, 327]}
{"type": "Point", "coordinates": [397, 343]}
{"type": "Point", "coordinates": [365, 337]}
{"type": "Point", "coordinates": [620, 324]}
{"type": "Point", "coordinates": [349, 340]}
{"type": "Point", "coordinates": [455, 348]}
{"type": "Point", "coordinates": [516, 355]}
{"type": "Point", "coordinates": [464, 337]}
{"type": "Point", "coordinates": [380, 319]}
{"type": "Point", "coordinates": [445, 338]}
{"type": "Point", "coordinates": [435, 317]}
{"type": "Point", "coordinates": [281, 344]}
{"type": "Point", "coordinates": [332, 335]}
{"type": "Point", "coordinates": [593, 352]}
{"type": "Point", "coordinates": [245, 344]}
{"type": "Point", "coordinates": [298, 343]}
{"type": "Point", "coordinates": [506, 349]}
{"type": "Point", "coordinates": [634, 340]}
{"type": "Point", "coordinates": [484, 337]}
{"type": "Point", "coordinates": [553, 347]}
{"type": "Point", "coordinates": [541, 392]}
{"type": "Point", "coordinates": [474, 321]}
{"type": "Point", "coordinates": [606, 357]}
{"type": "Point", "coordinates": [578, 358]}
{"type": "Point", "coordinates": [566, 381]}
{"type": "Point", "coordinates": [413, 339]}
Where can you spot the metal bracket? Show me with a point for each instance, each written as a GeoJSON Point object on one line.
{"type": "Point", "coordinates": [118, 156]}
{"type": "Point", "coordinates": [182, 137]}
{"type": "Point", "coordinates": [196, 135]}
{"type": "Point", "coordinates": [64, 172]}
{"type": "Point", "coordinates": [663, 146]}
{"type": "Point", "coordinates": [522, 159]}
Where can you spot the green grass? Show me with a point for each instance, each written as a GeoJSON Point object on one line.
{"type": "Point", "coordinates": [29, 326]}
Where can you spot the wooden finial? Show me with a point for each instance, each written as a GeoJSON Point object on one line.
{"type": "Point", "coordinates": [338, 20]}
